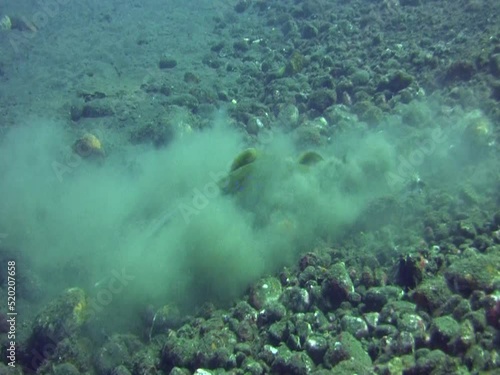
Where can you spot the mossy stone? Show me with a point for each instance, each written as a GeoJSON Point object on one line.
{"type": "Point", "coordinates": [310, 158]}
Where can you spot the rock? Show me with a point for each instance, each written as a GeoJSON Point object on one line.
{"type": "Point", "coordinates": [167, 62]}
{"type": "Point", "coordinates": [272, 312]}
{"type": "Point", "coordinates": [443, 330]}
{"type": "Point", "coordinates": [287, 362]}
{"type": "Point", "coordinates": [393, 310]}
{"type": "Point", "coordinates": [376, 297]}
{"type": "Point", "coordinates": [278, 332]}
{"type": "Point", "coordinates": [346, 347]}
{"type": "Point", "coordinates": [460, 71]}
{"type": "Point", "coordinates": [89, 147]}
{"type": "Point", "coordinates": [321, 99]}
{"type": "Point", "coordinates": [495, 65]}
{"type": "Point", "coordinates": [354, 325]}
{"type": "Point", "coordinates": [474, 272]}
{"type": "Point", "coordinates": [252, 367]}
{"type": "Point", "coordinates": [316, 346]}
{"type": "Point", "coordinates": [337, 285]}
{"type": "Point", "coordinates": [61, 318]}
{"type": "Point", "coordinates": [414, 324]}
{"type": "Point", "coordinates": [179, 351]}
{"type": "Point", "coordinates": [241, 6]}
{"type": "Point", "coordinates": [396, 82]}
{"type": "Point", "coordinates": [264, 292]}
{"type": "Point", "coordinates": [95, 109]}
{"type": "Point", "coordinates": [296, 299]}
{"type": "Point", "coordinates": [360, 77]}
{"type": "Point", "coordinates": [431, 294]}
{"type": "Point", "coordinates": [433, 362]}
{"type": "Point", "coordinates": [309, 31]}
{"type": "Point", "coordinates": [118, 350]}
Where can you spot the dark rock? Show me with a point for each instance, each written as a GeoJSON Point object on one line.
{"type": "Point", "coordinates": [495, 64]}
{"type": "Point", "coordinates": [242, 5]}
{"type": "Point", "coordinates": [61, 318]}
{"type": "Point", "coordinates": [167, 62]}
{"type": "Point", "coordinates": [96, 108]}
{"type": "Point", "coordinates": [179, 352]}
{"type": "Point", "coordinates": [385, 330]}
{"type": "Point", "coordinates": [241, 46]}
{"type": "Point", "coordinates": [296, 299]}
{"type": "Point", "coordinates": [279, 331]}
{"type": "Point", "coordinates": [316, 346]}
{"type": "Point", "coordinates": [377, 297]}
{"type": "Point", "coordinates": [443, 330]}
{"type": "Point", "coordinates": [322, 99]}
{"type": "Point", "coordinates": [243, 311]}
{"type": "Point", "coordinates": [431, 294]}
{"type": "Point", "coordinates": [396, 82]}
{"type": "Point", "coordinates": [433, 362]}
{"type": "Point", "coordinates": [272, 312]}
{"type": "Point", "coordinates": [404, 343]}
{"type": "Point", "coordinates": [158, 134]}
{"type": "Point", "coordinates": [338, 285]}
{"type": "Point", "coordinates": [292, 363]}
{"type": "Point", "coordinates": [460, 71]}
{"type": "Point", "coordinates": [309, 31]}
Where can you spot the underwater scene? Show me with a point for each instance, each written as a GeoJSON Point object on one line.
{"type": "Point", "coordinates": [250, 187]}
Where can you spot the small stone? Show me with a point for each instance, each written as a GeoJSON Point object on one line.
{"type": "Point", "coordinates": [167, 62]}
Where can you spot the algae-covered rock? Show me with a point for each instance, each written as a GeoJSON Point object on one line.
{"type": "Point", "coordinates": [310, 158]}
{"type": "Point", "coordinates": [264, 292]}
{"type": "Point", "coordinates": [118, 350]}
{"type": "Point", "coordinates": [295, 64]}
{"type": "Point", "coordinates": [240, 172]}
{"type": "Point", "coordinates": [344, 348]}
{"type": "Point", "coordinates": [89, 146]}
{"type": "Point", "coordinates": [246, 157]}
{"type": "Point", "coordinates": [250, 168]}
{"type": "Point", "coordinates": [474, 272]}
{"type": "Point", "coordinates": [61, 318]}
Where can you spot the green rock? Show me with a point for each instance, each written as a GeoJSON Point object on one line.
{"type": "Point", "coordinates": [61, 318]}
{"type": "Point", "coordinates": [346, 348]}
{"type": "Point", "coordinates": [264, 292]}
{"type": "Point", "coordinates": [310, 158]}
{"type": "Point", "coordinates": [443, 329]}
